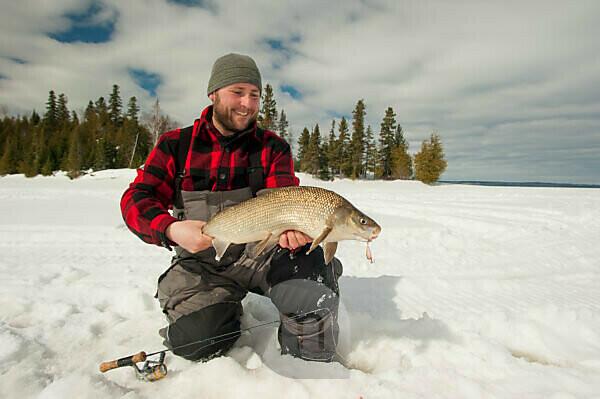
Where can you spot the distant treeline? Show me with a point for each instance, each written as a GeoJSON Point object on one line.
{"type": "Point", "coordinates": [353, 151]}
{"type": "Point", "coordinates": [104, 138]}
{"type": "Point", "coordinates": [108, 137]}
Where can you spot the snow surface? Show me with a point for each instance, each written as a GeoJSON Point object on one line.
{"type": "Point", "coordinates": [476, 292]}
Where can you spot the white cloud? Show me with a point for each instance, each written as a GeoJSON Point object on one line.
{"type": "Point", "coordinates": [477, 72]}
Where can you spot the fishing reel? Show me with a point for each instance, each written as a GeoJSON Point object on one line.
{"type": "Point", "coordinates": [150, 371]}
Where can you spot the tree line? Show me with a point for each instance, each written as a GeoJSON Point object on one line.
{"type": "Point", "coordinates": [105, 136]}
{"type": "Point", "coordinates": [108, 136]}
{"type": "Point", "coordinates": [352, 150]}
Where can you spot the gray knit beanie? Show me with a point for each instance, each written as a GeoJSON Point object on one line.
{"type": "Point", "coordinates": [233, 68]}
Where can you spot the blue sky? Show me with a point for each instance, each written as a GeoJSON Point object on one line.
{"type": "Point", "coordinates": [514, 92]}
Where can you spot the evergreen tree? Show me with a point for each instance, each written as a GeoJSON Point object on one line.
{"type": "Point", "coordinates": [371, 154]}
{"type": "Point", "coordinates": [27, 164]}
{"type": "Point", "coordinates": [115, 105]}
{"type": "Point", "coordinates": [35, 118]}
{"type": "Point", "coordinates": [62, 112]}
{"type": "Point", "coordinates": [311, 156]}
{"type": "Point", "coordinates": [47, 167]}
{"type": "Point", "coordinates": [74, 118]}
{"type": "Point", "coordinates": [102, 110]}
{"type": "Point", "coordinates": [343, 149]}
{"type": "Point", "coordinates": [89, 133]}
{"type": "Point", "coordinates": [430, 162]}
{"type": "Point", "coordinates": [401, 164]}
{"type": "Point", "coordinates": [399, 139]}
{"type": "Point", "coordinates": [74, 156]}
{"type": "Point", "coordinates": [267, 117]}
{"type": "Point", "coordinates": [282, 126]}
{"type": "Point", "coordinates": [90, 111]}
{"type": "Point", "coordinates": [401, 161]}
{"type": "Point", "coordinates": [322, 150]}
{"type": "Point", "coordinates": [51, 115]}
{"type": "Point", "coordinates": [357, 145]}
{"type": "Point", "coordinates": [387, 143]}
{"type": "Point", "coordinates": [332, 152]}
{"type": "Point", "coordinates": [58, 142]}
{"type": "Point", "coordinates": [133, 109]}
{"type": "Point", "coordinates": [303, 149]}
{"type": "Point", "coordinates": [9, 159]}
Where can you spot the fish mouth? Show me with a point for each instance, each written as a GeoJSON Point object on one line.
{"type": "Point", "coordinates": [370, 236]}
{"type": "Point", "coordinates": [375, 233]}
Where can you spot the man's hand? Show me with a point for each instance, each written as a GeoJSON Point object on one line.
{"type": "Point", "coordinates": [293, 239]}
{"type": "Point", "coordinates": [188, 235]}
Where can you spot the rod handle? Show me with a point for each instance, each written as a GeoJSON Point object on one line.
{"type": "Point", "coordinates": [125, 361]}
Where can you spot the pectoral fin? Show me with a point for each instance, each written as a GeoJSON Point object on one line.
{"type": "Point", "coordinates": [260, 247]}
{"type": "Point", "coordinates": [330, 249]}
{"type": "Point", "coordinates": [319, 239]}
{"type": "Point", "coordinates": [220, 247]}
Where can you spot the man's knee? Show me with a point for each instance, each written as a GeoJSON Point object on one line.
{"type": "Point", "coordinates": [286, 266]}
{"type": "Point", "coordinates": [304, 289]}
{"type": "Point", "coordinates": [206, 333]}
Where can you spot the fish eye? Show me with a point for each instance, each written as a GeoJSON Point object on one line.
{"type": "Point", "coordinates": [363, 221]}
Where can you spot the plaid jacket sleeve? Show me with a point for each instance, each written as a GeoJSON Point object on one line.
{"type": "Point", "coordinates": [280, 171]}
{"type": "Point", "coordinates": [146, 202]}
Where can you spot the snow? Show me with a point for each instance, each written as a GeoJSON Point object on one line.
{"type": "Point", "coordinates": [475, 292]}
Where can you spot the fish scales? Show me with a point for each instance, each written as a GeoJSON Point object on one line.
{"type": "Point", "coordinates": [295, 208]}
{"type": "Point", "coordinates": [321, 214]}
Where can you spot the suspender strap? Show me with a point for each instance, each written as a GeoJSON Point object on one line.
{"type": "Point", "coordinates": [185, 139]}
{"type": "Point", "coordinates": [256, 178]}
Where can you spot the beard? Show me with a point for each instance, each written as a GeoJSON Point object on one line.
{"type": "Point", "coordinates": [226, 117]}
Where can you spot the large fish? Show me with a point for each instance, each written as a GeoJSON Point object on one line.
{"type": "Point", "coordinates": [321, 214]}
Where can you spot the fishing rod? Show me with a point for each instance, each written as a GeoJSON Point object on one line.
{"type": "Point", "coordinates": [153, 370]}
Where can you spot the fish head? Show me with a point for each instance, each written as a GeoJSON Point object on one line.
{"type": "Point", "coordinates": [355, 225]}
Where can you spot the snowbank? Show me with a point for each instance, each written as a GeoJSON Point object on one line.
{"type": "Point", "coordinates": [475, 292]}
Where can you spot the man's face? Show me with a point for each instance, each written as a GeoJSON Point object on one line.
{"type": "Point", "coordinates": [235, 107]}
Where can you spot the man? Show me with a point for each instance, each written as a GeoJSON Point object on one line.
{"type": "Point", "coordinates": [223, 159]}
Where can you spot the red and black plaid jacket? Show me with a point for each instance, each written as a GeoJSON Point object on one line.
{"type": "Point", "coordinates": [214, 162]}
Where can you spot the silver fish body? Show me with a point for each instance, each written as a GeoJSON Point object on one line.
{"type": "Point", "coordinates": [321, 214]}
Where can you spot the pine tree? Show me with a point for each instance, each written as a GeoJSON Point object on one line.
{"type": "Point", "coordinates": [332, 151]}
{"type": "Point", "coordinates": [9, 159]}
{"type": "Point", "coordinates": [387, 143]}
{"type": "Point", "coordinates": [27, 164]}
{"type": "Point", "coordinates": [89, 133]}
{"type": "Point", "coordinates": [311, 156]}
{"type": "Point", "coordinates": [102, 112]}
{"type": "Point", "coordinates": [399, 139]}
{"type": "Point", "coordinates": [58, 143]}
{"type": "Point", "coordinates": [35, 118]}
{"type": "Point", "coordinates": [430, 162]}
{"type": "Point", "coordinates": [343, 149]}
{"type": "Point", "coordinates": [74, 118]}
{"type": "Point", "coordinates": [267, 118]}
{"type": "Point", "coordinates": [370, 155]}
{"type": "Point", "coordinates": [115, 105]}
{"type": "Point", "coordinates": [51, 115]}
{"type": "Point", "coordinates": [322, 151]}
{"type": "Point", "coordinates": [282, 126]}
{"type": "Point", "coordinates": [401, 161]}
{"type": "Point", "coordinates": [74, 156]}
{"type": "Point", "coordinates": [62, 112]}
{"type": "Point", "coordinates": [303, 149]}
{"type": "Point", "coordinates": [357, 146]}
{"type": "Point", "coordinates": [133, 109]}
